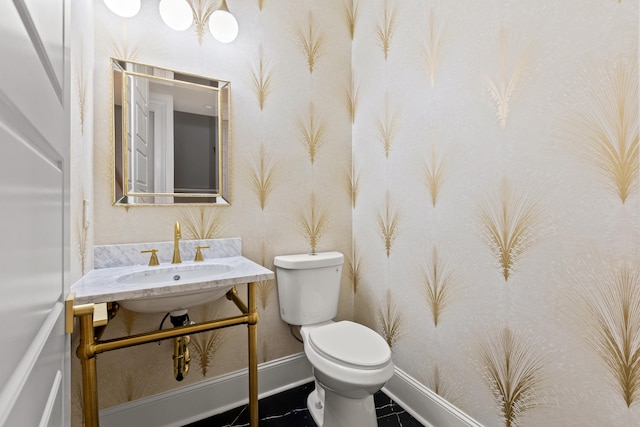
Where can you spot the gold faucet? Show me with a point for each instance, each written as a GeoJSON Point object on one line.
{"type": "Point", "coordinates": [199, 257]}
{"type": "Point", "coordinates": [154, 257]}
{"type": "Point", "coordinates": [176, 247]}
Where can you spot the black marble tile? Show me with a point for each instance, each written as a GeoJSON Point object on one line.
{"type": "Point", "coordinates": [289, 409]}
{"type": "Point", "coordinates": [390, 414]}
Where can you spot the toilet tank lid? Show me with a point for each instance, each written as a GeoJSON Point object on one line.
{"type": "Point", "coordinates": [304, 261]}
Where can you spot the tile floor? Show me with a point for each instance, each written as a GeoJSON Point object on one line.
{"type": "Point", "coordinates": [289, 409]}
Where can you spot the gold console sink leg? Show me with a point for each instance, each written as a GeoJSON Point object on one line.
{"type": "Point", "coordinates": [89, 371]}
{"type": "Point", "coordinates": [253, 355]}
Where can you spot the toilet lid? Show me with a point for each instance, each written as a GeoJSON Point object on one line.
{"type": "Point", "coordinates": [352, 344]}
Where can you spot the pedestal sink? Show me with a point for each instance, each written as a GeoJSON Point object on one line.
{"type": "Point", "coordinates": [182, 274]}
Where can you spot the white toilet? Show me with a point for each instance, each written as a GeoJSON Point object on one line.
{"type": "Point", "coordinates": [350, 361]}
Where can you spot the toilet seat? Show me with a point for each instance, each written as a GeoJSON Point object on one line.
{"type": "Point", "coordinates": [350, 344]}
{"type": "Point", "coordinates": [348, 359]}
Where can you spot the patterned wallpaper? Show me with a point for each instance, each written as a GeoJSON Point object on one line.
{"type": "Point", "coordinates": [291, 159]}
{"type": "Point", "coordinates": [477, 163]}
{"type": "Point", "coordinates": [497, 217]}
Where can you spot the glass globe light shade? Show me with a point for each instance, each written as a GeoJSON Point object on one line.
{"type": "Point", "coordinates": [177, 14]}
{"type": "Point", "coordinates": [223, 26]}
{"type": "Point", "coordinates": [124, 8]}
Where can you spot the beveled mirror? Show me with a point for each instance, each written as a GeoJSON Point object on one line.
{"type": "Point", "coordinates": [171, 136]}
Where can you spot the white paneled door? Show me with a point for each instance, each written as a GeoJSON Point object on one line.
{"type": "Point", "coordinates": [34, 217]}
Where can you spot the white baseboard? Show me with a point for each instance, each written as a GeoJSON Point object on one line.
{"type": "Point", "coordinates": [194, 402]}
{"type": "Point", "coordinates": [423, 404]}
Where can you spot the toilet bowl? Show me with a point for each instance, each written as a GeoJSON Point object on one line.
{"type": "Point", "coordinates": [350, 361]}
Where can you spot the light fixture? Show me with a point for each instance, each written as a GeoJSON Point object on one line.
{"type": "Point", "coordinates": [177, 14]}
{"type": "Point", "coordinates": [124, 8]}
{"type": "Point", "coordinates": [223, 24]}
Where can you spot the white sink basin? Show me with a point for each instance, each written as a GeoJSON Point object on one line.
{"type": "Point", "coordinates": [172, 276]}
{"type": "Point", "coordinates": [147, 289]}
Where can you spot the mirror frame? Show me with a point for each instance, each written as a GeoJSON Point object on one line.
{"type": "Point", "coordinates": [121, 195]}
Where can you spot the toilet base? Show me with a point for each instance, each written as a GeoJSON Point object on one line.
{"type": "Point", "coordinates": [329, 409]}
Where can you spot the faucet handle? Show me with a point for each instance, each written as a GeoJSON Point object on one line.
{"type": "Point", "coordinates": [154, 257]}
{"type": "Point", "coordinates": [199, 253]}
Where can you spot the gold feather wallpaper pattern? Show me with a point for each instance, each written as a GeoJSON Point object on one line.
{"type": "Point", "coordinates": [205, 345]}
{"type": "Point", "coordinates": [311, 130]}
{"type": "Point", "coordinates": [201, 223]}
{"type": "Point", "coordinates": [313, 221]}
{"type": "Point", "coordinates": [612, 311]}
{"type": "Point", "coordinates": [435, 174]}
{"type": "Point", "coordinates": [354, 266]}
{"type": "Point", "coordinates": [386, 27]}
{"type": "Point", "coordinates": [131, 385]}
{"type": "Point", "coordinates": [387, 125]}
{"type": "Point", "coordinates": [438, 280]}
{"type": "Point", "coordinates": [353, 186]}
{"type": "Point", "coordinates": [509, 219]}
{"type": "Point", "coordinates": [351, 98]}
{"type": "Point", "coordinates": [440, 381]}
{"type": "Point", "coordinates": [391, 318]}
{"type": "Point", "coordinates": [262, 79]}
{"type": "Point", "coordinates": [202, 10]}
{"type": "Point", "coordinates": [81, 234]}
{"type": "Point", "coordinates": [514, 373]}
{"type": "Point", "coordinates": [127, 52]}
{"type": "Point", "coordinates": [263, 176]}
{"type": "Point", "coordinates": [432, 46]}
{"type": "Point", "coordinates": [265, 287]}
{"type": "Point", "coordinates": [128, 319]}
{"type": "Point", "coordinates": [388, 223]}
{"type": "Point", "coordinates": [311, 42]}
{"type": "Point", "coordinates": [605, 124]}
{"type": "Point", "coordinates": [82, 92]}
{"type": "Point", "coordinates": [321, 89]}
{"type": "Point", "coordinates": [507, 83]}
{"type": "Point", "coordinates": [351, 15]}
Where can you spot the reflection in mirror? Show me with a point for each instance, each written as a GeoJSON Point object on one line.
{"type": "Point", "coordinates": [171, 136]}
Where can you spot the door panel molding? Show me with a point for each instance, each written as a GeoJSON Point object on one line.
{"type": "Point", "coordinates": [49, 416]}
{"type": "Point", "coordinates": [40, 48]}
{"type": "Point", "coordinates": [23, 370]}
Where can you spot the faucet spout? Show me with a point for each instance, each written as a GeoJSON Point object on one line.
{"type": "Point", "coordinates": [176, 247]}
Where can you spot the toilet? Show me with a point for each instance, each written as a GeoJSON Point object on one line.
{"type": "Point", "coordinates": [350, 361]}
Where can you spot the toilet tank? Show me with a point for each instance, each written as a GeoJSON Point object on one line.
{"type": "Point", "coordinates": [308, 286]}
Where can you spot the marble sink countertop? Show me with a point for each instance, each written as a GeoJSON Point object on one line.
{"type": "Point", "coordinates": [101, 285]}
{"type": "Point", "coordinates": [114, 261]}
